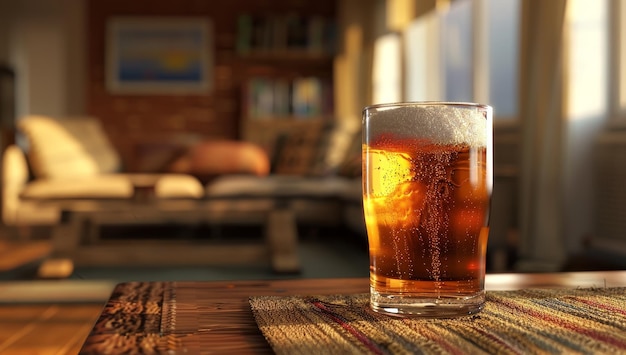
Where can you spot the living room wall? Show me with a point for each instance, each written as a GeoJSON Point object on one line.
{"type": "Point", "coordinates": [135, 121]}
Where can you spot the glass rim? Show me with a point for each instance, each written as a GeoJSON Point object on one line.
{"type": "Point", "coordinates": [460, 104]}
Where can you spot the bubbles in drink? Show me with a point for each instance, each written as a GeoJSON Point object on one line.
{"type": "Point", "coordinates": [426, 211]}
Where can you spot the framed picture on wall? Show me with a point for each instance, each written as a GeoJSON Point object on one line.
{"type": "Point", "coordinates": [162, 55]}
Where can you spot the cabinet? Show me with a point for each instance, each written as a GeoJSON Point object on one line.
{"type": "Point", "coordinates": [287, 87]}
{"type": "Point", "coordinates": [7, 107]}
{"type": "Point", "coordinates": [7, 113]}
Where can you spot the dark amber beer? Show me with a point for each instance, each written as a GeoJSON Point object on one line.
{"type": "Point", "coordinates": [427, 180]}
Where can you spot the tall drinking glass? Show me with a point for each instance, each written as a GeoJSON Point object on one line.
{"type": "Point", "coordinates": [427, 181]}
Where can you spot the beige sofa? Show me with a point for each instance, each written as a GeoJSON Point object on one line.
{"type": "Point", "coordinates": [72, 159]}
{"type": "Point", "coordinates": [70, 165]}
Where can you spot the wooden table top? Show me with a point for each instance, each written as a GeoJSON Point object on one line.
{"type": "Point", "coordinates": [229, 326]}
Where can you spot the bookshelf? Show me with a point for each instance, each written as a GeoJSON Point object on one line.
{"type": "Point", "coordinates": [287, 32]}
{"type": "Point", "coordinates": [287, 89]}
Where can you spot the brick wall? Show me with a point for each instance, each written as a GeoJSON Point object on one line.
{"type": "Point", "coordinates": [133, 120]}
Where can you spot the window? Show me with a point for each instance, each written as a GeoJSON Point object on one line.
{"type": "Point", "coordinates": [423, 66]}
{"type": "Point", "coordinates": [503, 21]}
{"type": "Point", "coordinates": [467, 52]}
{"type": "Point", "coordinates": [457, 46]}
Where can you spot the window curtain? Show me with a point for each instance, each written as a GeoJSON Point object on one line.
{"type": "Point", "coordinates": [542, 245]}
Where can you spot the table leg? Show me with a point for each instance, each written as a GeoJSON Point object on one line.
{"type": "Point", "coordinates": [65, 240]}
{"type": "Point", "coordinates": [282, 236]}
{"type": "Point", "coordinates": [66, 236]}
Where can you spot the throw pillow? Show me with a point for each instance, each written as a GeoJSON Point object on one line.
{"type": "Point", "coordinates": [336, 145]}
{"type": "Point", "coordinates": [211, 158]}
{"type": "Point", "coordinates": [297, 150]}
{"type": "Point", "coordinates": [350, 166]}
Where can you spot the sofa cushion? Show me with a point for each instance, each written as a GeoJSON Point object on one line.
{"type": "Point", "coordinates": [113, 186]}
{"type": "Point", "coordinates": [178, 186]}
{"type": "Point", "coordinates": [98, 186]}
{"type": "Point", "coordinates": [351, 164]}
{"type": "Point", "coordinates": [276, 186]}
{"type": "Point", "coordinates": [313, 200]}
{"type": "Point", "coordinates": [68, 148]}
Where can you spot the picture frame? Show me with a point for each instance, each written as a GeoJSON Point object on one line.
{"type": "Point", "coordinates": [159, 55]}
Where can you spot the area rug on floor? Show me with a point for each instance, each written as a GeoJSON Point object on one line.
{"type": "Point", "coordinates": [512, 322]}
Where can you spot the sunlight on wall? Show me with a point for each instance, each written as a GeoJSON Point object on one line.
{"type": "Point", "coordinates": [399, 13]}
{"type": "Point", "coordinates": [422, 59]}
{"type": "Point", "coordinates": [387, 69]}
{"type": "Point", "coordinates": [588, 58]}
{"type": "Point", "coordinates": [347, 66]}
{"type": "Point", "coordinates": [622, 55]}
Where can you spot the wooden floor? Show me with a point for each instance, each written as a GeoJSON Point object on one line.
{"type": "Point", "coordinates": [44, 317]}
{"type": "Point", "coordinates": [49, 316]}
{"type": "Point", "coordinates": [41, 322]}
{"type": "Point", "coordinates": [45, 329]}
{"type": "Point", "coordinates": [14, 254]}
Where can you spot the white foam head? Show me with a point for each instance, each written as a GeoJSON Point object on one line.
{"type": "Point", "coordinates": [443, 124]}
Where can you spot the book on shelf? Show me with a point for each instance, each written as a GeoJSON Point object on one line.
{"type": "Point", "coordinates": [282, 93]}
{"type": "Point", "coordinates": [307, 97]}
{"type": "Point", "coordinates": [316, 34]}
{"type": "Point", "coordinates": [259, 98]}
{"type": "Point", "coordinates": [279, 98]}
{"type": "Point", "coordinates": [244, 33]}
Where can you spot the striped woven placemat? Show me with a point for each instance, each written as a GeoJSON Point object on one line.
{"type": "Point", "coordinates": [527, 321]}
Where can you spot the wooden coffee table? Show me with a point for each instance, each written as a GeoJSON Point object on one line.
{"type": "Point", "coordinates": [76, 239]}
{"type": "Point", "coordinates": [217, 315]}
